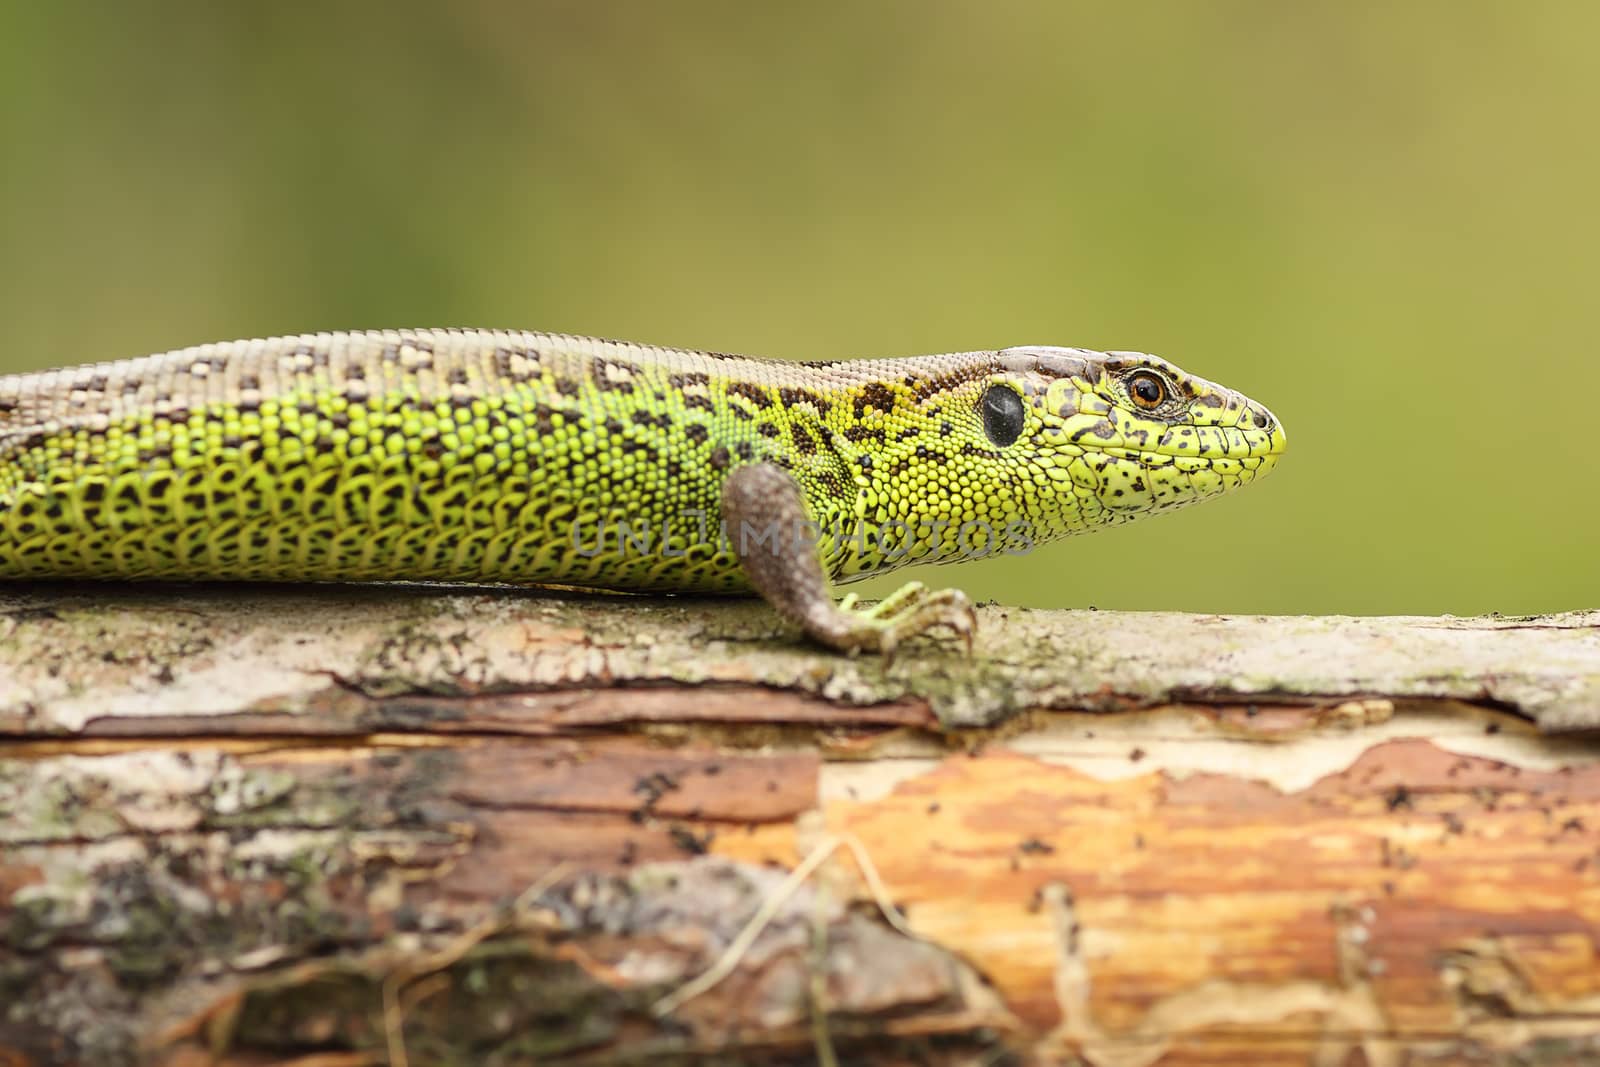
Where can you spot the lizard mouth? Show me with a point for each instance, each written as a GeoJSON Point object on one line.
{"type": "Point", "coordinates": [1188, 441]}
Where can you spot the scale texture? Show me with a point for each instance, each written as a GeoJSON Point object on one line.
{"type": "Point", "coordinates": [492, 456]}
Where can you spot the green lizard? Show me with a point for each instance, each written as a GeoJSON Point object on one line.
{"type": "Point", "coordinates": [489, 456]}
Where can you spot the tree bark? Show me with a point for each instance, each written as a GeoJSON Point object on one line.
{"type": "Point", "coordinates": [414, 825]}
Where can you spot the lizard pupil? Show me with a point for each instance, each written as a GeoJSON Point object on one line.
{"type": "Point", "coordinates": [1002, 414]}
{"type": "Point", "coordinates": [1147, 390]}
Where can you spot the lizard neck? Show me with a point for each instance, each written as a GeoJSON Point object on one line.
{"type": "Point", "coordinates": [920, 483]}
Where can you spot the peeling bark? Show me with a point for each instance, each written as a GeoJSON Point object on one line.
{"type": "Point", "coordinates": [419, 825]}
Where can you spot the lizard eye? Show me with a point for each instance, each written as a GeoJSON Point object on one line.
{"type": "Point", "coordinates": [1147, 389]}
{"type": "Point", "coordinates": [1002, 414]}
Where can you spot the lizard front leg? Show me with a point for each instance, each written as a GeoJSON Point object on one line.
{"type": "Point", "coordinates": [764, 510]}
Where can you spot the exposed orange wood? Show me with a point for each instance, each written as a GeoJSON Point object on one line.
{"type": "Point", "coordinates": [1404, 876]}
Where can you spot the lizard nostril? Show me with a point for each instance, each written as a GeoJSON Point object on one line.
{"type": "Point", "coordinates": [1262, 420]}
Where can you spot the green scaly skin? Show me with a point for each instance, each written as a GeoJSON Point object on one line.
{"type": "Point", "coordinates": [488, 456]}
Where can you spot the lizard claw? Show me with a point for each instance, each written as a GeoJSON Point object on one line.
{"type": "Point", "coordinates": [910, 611]}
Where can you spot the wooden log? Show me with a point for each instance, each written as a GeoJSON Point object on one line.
{"type": "Point", "coordinates": [411, 825]}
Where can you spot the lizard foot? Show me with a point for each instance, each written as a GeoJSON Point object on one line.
{"type": "Point", "coordinates": [909, 611]}
{"type": "Point", "coordinates": [760, 496]}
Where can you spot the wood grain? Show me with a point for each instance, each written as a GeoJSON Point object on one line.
{"type": "Point", "coordinates": [347, 826]}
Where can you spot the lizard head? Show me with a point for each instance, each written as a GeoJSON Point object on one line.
{"type": "Point", "coordinates": [1119, 434]}
{"type": "Point", "coordinates": [979, 453]}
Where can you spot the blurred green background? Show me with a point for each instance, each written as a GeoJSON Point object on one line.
{"type": "Point", "coordinates": [1379, 219]}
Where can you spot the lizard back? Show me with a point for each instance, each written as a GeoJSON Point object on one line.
{"type": "Point", "coordinates": [416, 454]}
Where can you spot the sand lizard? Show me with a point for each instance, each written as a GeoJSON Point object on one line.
{"type": "Point", "coordinates": [500, 456]}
